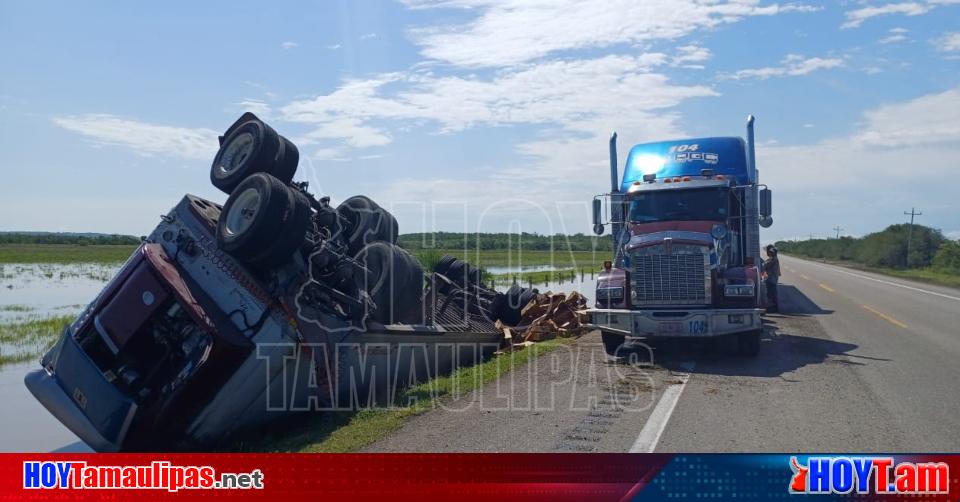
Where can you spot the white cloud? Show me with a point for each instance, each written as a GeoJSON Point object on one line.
{"type": "Point", "coordinates": [689, 56]}
{"type": "Point", "coordinates": [334, 47]}
{"type": "Point", "coordinates": [141, 137]}
{"type": "Point", "coordinates": [927, 120]}
{"type": "Point", "coordinates": [575, 96]}
{"type": "Point", "coordinates": [368, 36]}
{"type": "Point", "coordinates": [856, 17]}
{"type": "Point", "coordinates": [791, 66]}
{"type": "Point", "coordinates": [912, 139]}
{"type": "Point", "coordinates": [258, 107]}
{"type": "Point", "coordinates": [949, 42]}
{"type": "Point", "coordinates": [862, 181]}
{"type": "Point", "coordinates": [330, 154]}
{"type": "Point", "coordinates": [511, 32]}
{"type": "Point", "coordinates": [289, 45]}
{"type": "Point", "coordinates": [895, 35]}
{"type": "Point", "coordinates": [351, 130]}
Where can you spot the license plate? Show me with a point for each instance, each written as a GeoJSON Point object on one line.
{"type": "Point", "coordinates": [697, 327]}
{"type": "Point", "coordinates": [671, 327]}
{"type": "Point", "coordinates": [694, 327]}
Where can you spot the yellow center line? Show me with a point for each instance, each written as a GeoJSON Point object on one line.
{"type": "Point", "coordinates": [885, 317]}
{"type": "Point", "coordinates": [824, 286]}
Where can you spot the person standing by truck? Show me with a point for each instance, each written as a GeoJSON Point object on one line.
{"type": "Point", "coordinates": [772, 270]}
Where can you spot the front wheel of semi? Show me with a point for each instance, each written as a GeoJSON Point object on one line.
{"type": "Point", "coordinates": [613, 344]}
{"type": "Point", "coordinates": [748, 344]}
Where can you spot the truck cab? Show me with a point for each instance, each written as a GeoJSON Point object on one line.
{"type": "Point", "coordinates": [685, 221]}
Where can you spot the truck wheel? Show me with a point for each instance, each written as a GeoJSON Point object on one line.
{"type": "Point", "coordinates": [444, 264]}
{"type": "Point", "coordinates": [366, 222]}
{"type": "Point", "coordinates": [514, 300]}
{"type": "Point", "coordinates": [262, 221]}
{"type": "Point", "coordinates": [291, 236]}
{"type": "Point", "coordinates": [613, 343]}
{"type": "Point", "coordinates": [394, 282]}
{"type": "Point", "coordinates": [748, 344]}
{"type": "Point", "coordinates": [250, 147]}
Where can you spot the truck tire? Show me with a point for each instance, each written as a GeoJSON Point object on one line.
{"type": "Point", "coordinates": [444, 264]}
{"type": "Point", "coordinates": [748, 344]}
{"type": "Point", "coordinates": [394, 282]}
{"type": "Point", "coordinates": [510, 309]}
{"type": "Point", "coordinates": [262, 221]}
{"type": "Point", "coordinates": [250, 147]}
{"type": "Point", "coordinates": [366, 222]}
{"type": "Point", "coordinates": [613, 343]}
{"type": "Point", "coordinates": [292, 235]}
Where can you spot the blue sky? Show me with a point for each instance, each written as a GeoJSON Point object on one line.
{"type": "Point", "coordinates": [478, 115]}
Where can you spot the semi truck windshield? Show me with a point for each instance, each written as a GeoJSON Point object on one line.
{"type": "Point", "coordinates": [671, 205]}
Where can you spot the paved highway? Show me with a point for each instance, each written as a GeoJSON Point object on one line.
{"type": "Point", "coordinates": [855, 362]}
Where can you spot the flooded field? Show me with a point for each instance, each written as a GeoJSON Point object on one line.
{"type": "Point", "coordinates": [38, 299]}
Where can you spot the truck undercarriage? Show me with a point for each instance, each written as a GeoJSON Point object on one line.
{"type": "Point", "coordinates": [228, 317]}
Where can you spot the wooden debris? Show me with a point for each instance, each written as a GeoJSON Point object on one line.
{"type": "Point", "coordinates": [546, 317]}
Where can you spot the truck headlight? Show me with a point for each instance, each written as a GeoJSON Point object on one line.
{"type": "Point", "coordinates": [738, 290]}
{"type": "Point", "coordinates": [610, 293]}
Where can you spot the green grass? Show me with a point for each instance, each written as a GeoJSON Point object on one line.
{"type": "Point", "coordinates": [503, 258]}
{"type": "Point", "coordinates": [69, 253]}
{"type": "Point", "coordinates": [25, 340]}
{"type": "Point", "coordinates": [63, 253]}
{"type": "Point", "coordinates": [15, 308]}
{"type": "Point", "coordinates": [346, 431]}
{"type": "Point", "coordinates": [927, 275]}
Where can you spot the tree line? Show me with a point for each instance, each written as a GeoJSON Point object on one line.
{"type": "Point", "coordinates": [498, 241]}
{"type": "Point", "coordinates": [67, 238]}
{"type": "Point", "coordinates": [885, 249]}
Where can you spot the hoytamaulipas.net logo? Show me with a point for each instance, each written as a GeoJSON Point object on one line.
{"type": "Point", "coordinates": [877, 475]}
{"type": "Point", "coordinates": [159, 475]}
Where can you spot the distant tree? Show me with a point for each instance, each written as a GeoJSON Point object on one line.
{"type": "Point", "coordinates": [947, 258]}
{"type": "Point", "coordinates": [887, 248]}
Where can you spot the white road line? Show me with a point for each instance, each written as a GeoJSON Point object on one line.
{"type": "Point", "coordinates": [650, 434]}
{"type": "Point", "coordinates": [904, 286]}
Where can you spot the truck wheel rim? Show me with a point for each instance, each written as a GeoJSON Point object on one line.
{"type": "Point", "coordinates": [237, 152]}
{"type": "Point", "coordinates": [242, 213]}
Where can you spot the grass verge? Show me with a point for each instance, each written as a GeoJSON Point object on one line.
{"type": "Point", "coordinates": [346, 431]}
{"type": "Point", "coordinates": [926, 275]}
{"type": "Point", "coordinates": [63, 253]}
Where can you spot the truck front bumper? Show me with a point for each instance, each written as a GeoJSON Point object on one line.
{"type": "Point", "coordinates": [674, 323]}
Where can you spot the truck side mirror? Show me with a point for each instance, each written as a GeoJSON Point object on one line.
{"type": "Point", "coordinates": [597, 222]}
{"type": "Point", "coordinates": [766, 202]}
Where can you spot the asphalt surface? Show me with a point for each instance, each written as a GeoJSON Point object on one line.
{"type": "Point", "coordinates": [855, 362]}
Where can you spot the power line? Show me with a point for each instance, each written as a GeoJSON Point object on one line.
{"type": "Point", "coordinates": [913, 213]}
{"type": "Point", "coordinates": [838, 229]}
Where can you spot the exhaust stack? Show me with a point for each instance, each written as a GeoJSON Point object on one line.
{"type": "Point", "coordinates": [751, 151]}
{"type": "Point", "coordinates": [614, 184]}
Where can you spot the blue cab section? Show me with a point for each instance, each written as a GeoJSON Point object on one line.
{"type": "Point", "coordinates": [725, 155]}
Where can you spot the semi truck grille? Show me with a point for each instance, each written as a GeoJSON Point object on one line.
{"type": "Point", "coordinates": [665, 279]}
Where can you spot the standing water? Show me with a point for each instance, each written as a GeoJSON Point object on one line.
{"type": "Point", "coordinates": [36, 300]}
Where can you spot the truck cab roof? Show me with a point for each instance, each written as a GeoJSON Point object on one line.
{"type": "Point", "coordinates": [688, 157]}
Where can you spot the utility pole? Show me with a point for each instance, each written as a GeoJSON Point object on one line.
{"type": "Point", "coordinates": [913, 212]}
{"type": "Point", "coordinates": [838, 229]}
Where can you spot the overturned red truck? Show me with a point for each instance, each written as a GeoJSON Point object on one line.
{"type": "Point", "coordinates": [227, 317]}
